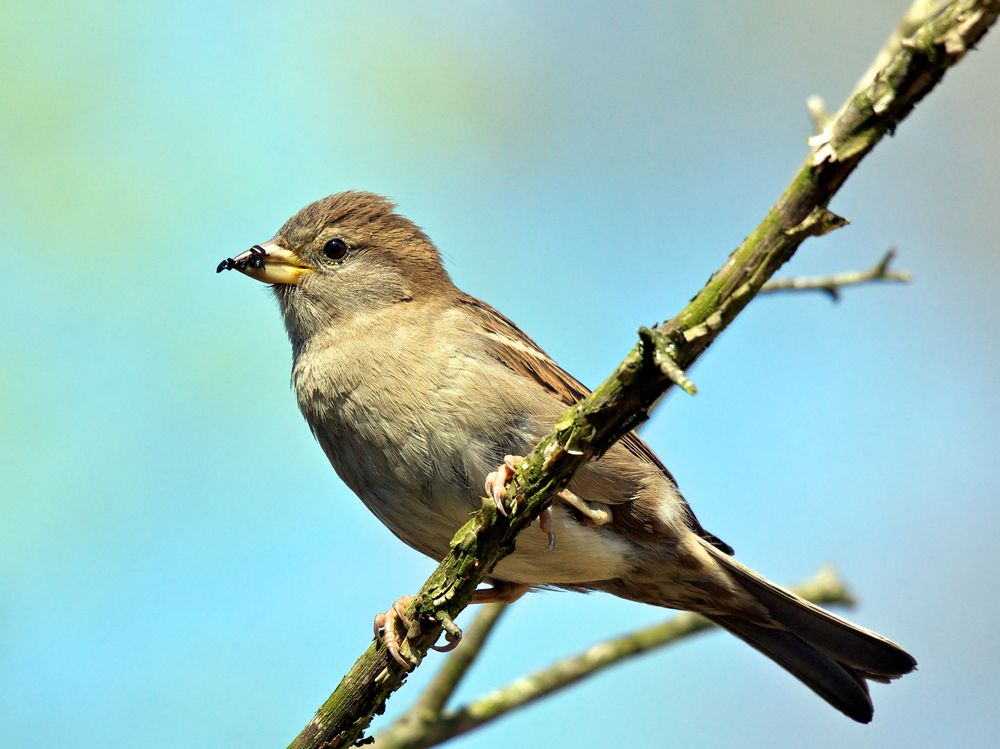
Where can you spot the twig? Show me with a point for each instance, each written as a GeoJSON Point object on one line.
{"type": "Point", "coordinates": [818, 113]}
{"type": "Point", "coordinates": [824, 587]}
{"type": "Point", "coordinates": [623, 401]}
{"type": "Point", "coordinates": [833, 284]}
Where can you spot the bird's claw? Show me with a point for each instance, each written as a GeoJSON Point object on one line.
{"type": "Point", "coordinates": [496, 489]}
{"type": "Point", "coordinates": [496, 481]}
{"type": "Point", "coordinates": [452, 634]}
{"type": "Point", "coordinates": [545, 523]}
{"type": "Point", "coordinates": [386, 627]}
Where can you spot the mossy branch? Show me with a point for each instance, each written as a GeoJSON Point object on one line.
{"type": "Point", "coordinates": [423, 726]}
{"type": "Point", "coordinates": [623, 401]}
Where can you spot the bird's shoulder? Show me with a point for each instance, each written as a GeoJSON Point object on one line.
{"type": "Point", "coordinates": [513, 348]}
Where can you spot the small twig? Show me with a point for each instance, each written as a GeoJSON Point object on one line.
{"type": "Point", "coordinates": [818, 113]}
{"type": "Point", "coordinates": [658, 344]}
{"type": "Point", "coordinates": [833, 284]}
{"type": "Point", "coordinates": [824, 587]}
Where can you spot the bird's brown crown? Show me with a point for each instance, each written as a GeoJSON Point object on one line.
{"type": "Point", "coordinates": [368, 222]}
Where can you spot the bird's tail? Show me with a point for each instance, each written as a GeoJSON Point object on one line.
{"type": "Point", "coordinates": [831, 656]}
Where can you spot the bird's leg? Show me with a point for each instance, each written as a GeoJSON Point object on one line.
{"type": "Point", "coordinates": [500, 592]}
{"type": "Point", "coordinates": [496, 488]}
{"type": "Point", "coordinates": [387, 627]}
{"type": "Point", "coordinates": [597, 513]}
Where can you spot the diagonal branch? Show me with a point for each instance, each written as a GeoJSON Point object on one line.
{"type": "Point", "coordinates": [623, 401]}
{"type": "Point", "coordinates": [430, 729]}
{"type": "Point", "coordinates": [833, 284]}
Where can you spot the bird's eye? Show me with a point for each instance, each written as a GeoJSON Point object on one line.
{"type": "Point", "coordinates": [335, 249]}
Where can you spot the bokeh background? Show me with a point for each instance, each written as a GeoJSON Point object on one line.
{"type": "Point", "coordinates": [180, 567]}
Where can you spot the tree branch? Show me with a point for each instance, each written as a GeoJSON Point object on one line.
{"type": "Point", "coordinates": [833, 284]}
{"type": "Point", "coordinates": [623, 401]}
{"type": "Point", "coordinates": [411, 732]}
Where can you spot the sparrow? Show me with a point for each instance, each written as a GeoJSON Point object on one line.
{"type": "Point", "coordinates": [423, 397]}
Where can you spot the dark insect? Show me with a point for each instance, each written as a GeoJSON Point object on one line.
{"type": "Point", "coordinates": [256, 260]}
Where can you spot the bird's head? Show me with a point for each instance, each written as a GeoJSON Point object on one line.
{"type": "Point", "coordinates": [344, 255]}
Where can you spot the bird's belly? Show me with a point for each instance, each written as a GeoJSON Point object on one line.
{"type": "Point", "coordinates": [583, 553]}
{"type": "Point", "coordinates": [424, 509]}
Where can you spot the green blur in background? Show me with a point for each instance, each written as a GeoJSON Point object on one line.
{"type": "Point", "coordinates": [179, 566]}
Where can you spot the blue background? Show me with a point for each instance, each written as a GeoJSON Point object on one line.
{"type": "Point", "coordinates": [179, 566]}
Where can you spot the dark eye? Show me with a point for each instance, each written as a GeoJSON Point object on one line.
{"type": "Point", "coordinates": [335, 249]}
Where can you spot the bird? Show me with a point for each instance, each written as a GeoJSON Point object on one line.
{"type": "Point", "coordinates": [424, 398]}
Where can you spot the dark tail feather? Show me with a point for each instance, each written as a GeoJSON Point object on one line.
{"type": "Point", "coordinates": [836, 683]}
{"type": "Point", "coordinates": [829, 655]}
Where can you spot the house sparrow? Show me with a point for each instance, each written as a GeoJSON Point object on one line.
{"type": "Point", "coordinates": [417, 392]}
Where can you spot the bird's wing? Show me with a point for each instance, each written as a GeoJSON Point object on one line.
{"type": "Point", "coordinates": [509, 345]}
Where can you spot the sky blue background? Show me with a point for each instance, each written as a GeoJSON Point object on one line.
{"type": "Point", "coordinates": [180, 567]}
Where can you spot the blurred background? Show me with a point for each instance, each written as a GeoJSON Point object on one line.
{"type": "Point", "coordinates": [179, 563]}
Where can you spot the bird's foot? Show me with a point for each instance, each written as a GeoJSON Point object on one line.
{"type": "Point", "coordinates": [496, 481]}
{"type": "Point", "coordinates": [496, 489]}
{"type": "Point", "coordinates": [387, 627]}
{"type": "Point", "coordinates": [595, 512]}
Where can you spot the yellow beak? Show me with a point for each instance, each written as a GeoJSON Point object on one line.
{"type": "Point", "coordinates": [268, 263]}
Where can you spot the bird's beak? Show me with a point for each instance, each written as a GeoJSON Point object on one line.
{"type": "Point", "coordinates": [268, 263]}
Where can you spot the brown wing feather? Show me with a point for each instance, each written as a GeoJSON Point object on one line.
{"type": "Point", "coordinates": [543, 370]}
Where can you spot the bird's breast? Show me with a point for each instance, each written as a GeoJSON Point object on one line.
{"type": "Point", "coordinates": [397, 423]}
